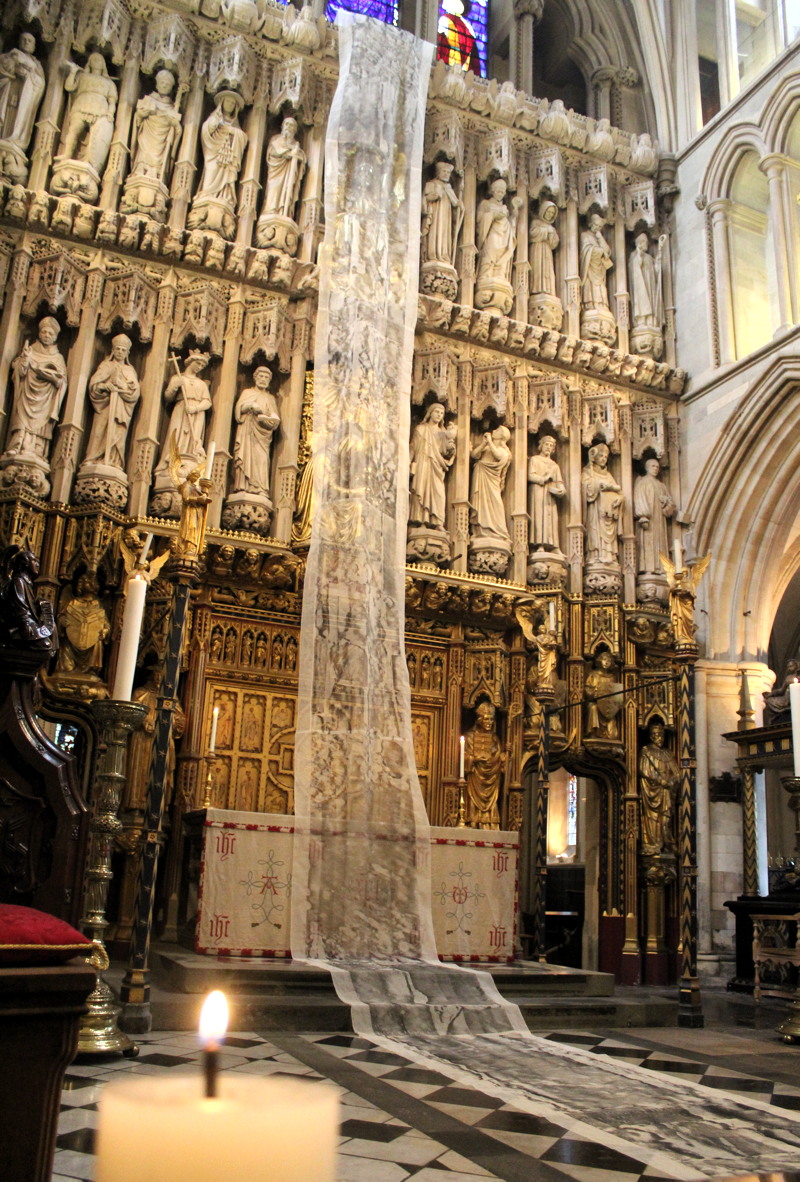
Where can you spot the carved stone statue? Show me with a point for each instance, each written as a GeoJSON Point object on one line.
{"type": "Point", "coordinates": [652, 507]}
{"type": "Point", "coordinates": [154, 143]}
{"type": "Point", "coordinates": [113, 392]}
{"type": "Point", "coordinates": [604, 694]}
{"type": "Point", "coordinates": [683, 586]}
{"type": "Point", "coordinates": [545, 642]}
{"type": "Point", "coordinates": [555, 123]}
{"type": "Point", "coordinates": [546, 490]}
{"type": "Point", "coordinates": [40, 382]}
{"type": "Point", "coordinates": [256, 413]}
{"type": "Point", "coordinates": [302, 30]}
{"type": "Point", "coordinates": [659, 780]}
{"type": "Point", "coordinates": [25, 622]}
{"type": "Point", "coordinates": [88, 131]}
{"type": "Point", "coordinates": [644, 156]}
{"type": "Point", "coordinates": [190, 398]}
{"type": "Point", "coordinates": [490, 543]}
{"type": "Point", "coordinates": [193, 490]}
{"type": "Point", "coordinates": [597, 321]}
{"type": "Point", "coordinates": [544, 306]}
{"type": "Point", "coordinates": [647, 302]}
{"type": "Point", "coordinates": [602, 513]}
{"type": "Point", "coordinates": [483, 768]}
{"type": "Point", "coordinates": [431, 456]}
{"type": "Point", "coordinates": [442, 217]}
{"type": "Point", "coordinates": [496, 239]}
{"type": "Point", "coordinates": [600, 141]}
{"type": "Point", "coordinates": [84, 626]}
{"type": "Point", "coordinates": [22, 85]}
{"type": "Point", "coordinates": [286, 164]}
{"type": "Point", "coordinates": [776, 702]}
{"type": "Point", "coordinates": [224, 142]}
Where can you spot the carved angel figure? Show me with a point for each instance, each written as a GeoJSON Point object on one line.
{"type": "Point", "coordinates": [683, 586]}
{"type": "Point", "coordinates": [134, 557]}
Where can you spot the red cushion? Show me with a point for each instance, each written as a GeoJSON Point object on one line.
{"type": "Point", "coordinates": [29, 937]}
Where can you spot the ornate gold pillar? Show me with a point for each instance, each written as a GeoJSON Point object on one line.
{"type": "Point", "coordinates": [628, 555]}
{"type": "Point", "coordinates": [575, 519]}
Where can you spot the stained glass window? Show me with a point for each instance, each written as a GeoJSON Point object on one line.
{"type": "Point", "coordinates": [382, 10]}
{"type": "Point", "coordinates": [463, 34]}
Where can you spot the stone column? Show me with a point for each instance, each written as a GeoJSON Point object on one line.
{"type": "Point", "coordinates": [571, 248]}
{"type": "Point", "coordinates": [459, 513]}
{"type": "Point", "coordinates": [687, 75]}
{"type": "Point", "coordinates": [774, 168]}
{"type": "Point", "coordinates": [291, 411]}
{"type": "Point", "coordinates": [527, 14]}
{"type": "Point", "coordinates": [49, 122]}
{"type": "Point", "coordinates": [468, 253]}
{"type": "Point", "coordinates": [185, 168]}
{"type": "Point", "coordinates": [79, 368]}
{"type": "Point", "coordinates": [601, 91]}
{"type": "Point", "coordinates": [222, 411]}
{"type": "Point", "coordinates": [628, 555]}
{"type": "Point", "coordinates": [719, 212]}
{"type": "Point", "coordinates": [250, 187]}
{"type": "Point", "coordinates": [309, 216]}
{"type": "Point", "coordinates": [153, 382]}
{"type": "Point", "coordinates": [575, 517]}
{"type": "Point", "coordinates": [622, 298]}
{"type": "Point", "coordinates": [519, 482]}
{"type": "Point", "coordinates": [10, 328]}
{"type": "Point", "coordinates": [522, 264]}
{"type": "Point", "coordinates": [129, 88]}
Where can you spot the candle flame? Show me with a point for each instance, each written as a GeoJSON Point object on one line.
{"type": "Point", "coordinates": [214, 1018]}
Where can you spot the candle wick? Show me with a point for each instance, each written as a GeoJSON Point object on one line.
{"type": "Point", "coordinates": [211, 1068]}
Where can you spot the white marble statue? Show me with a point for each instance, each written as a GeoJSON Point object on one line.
{"type": "Point", "coordinates": [644, 156]}
{"type": "Point", "coordinates": [647, 301]}
{"type": "Point", "coordinates": [602, 502]}
{"type": "Point", "coordinates": [442, 215]}
{"type": "Point", "coordinates": [88, 130]}
{"type": "Point", "coordinates": [547, 488]}
{"type": "Point", "coordinates": [555, 123]}
{"type": "Point", "coordinates": [190, 398]}
{"type": "Point", "coordinates": [597, 321]}
{"type": "Point", "coordinates": [544, 305]}
{"type": "Point", "coordinates": [22, 85]}
{"type": "Point", "coordinates": [496, 239]}
{"type": "Point", "coordinates": [40, 382]}
{"type": "Point", "coordinates": [286, 162]}
{"type": "Point", "coordinates": [257, 418]}
{"type": "Point", "coordinates": [431, 456]}
{"type": "Point", "coordinates": [492, 457]}
{"type": "Point", "coordinates": [652, 507]}
{"type": "Point", "coordinates": [113, 392]}
{"type": "Point", "coordinates": [600, 141]}
{"type": "Point", "coordinates": [223, 142]}
{"type": "Point", "coordinates": [302, 30]}
{"type": "Point", "coordinates": [154, 144]}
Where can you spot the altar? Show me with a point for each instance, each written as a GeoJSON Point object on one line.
{"type": "Point", "coordinates": [238, 874]}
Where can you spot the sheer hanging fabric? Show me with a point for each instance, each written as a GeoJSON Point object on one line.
{"type": "Point", "coordinates": [361, 888]}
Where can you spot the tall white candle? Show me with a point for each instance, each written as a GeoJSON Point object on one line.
{"type": "Point", "coordinates": [212, 447]}
{"type": "Point", "coordinates": [212, 742]}
{"type": "Point", "coordinates": [166, 1130]}
{"type": "Point", "coordinates": [794, 703]}
{"type": "Point", "coordinates": [677, 554]}
{"type": "Point", "coordinates": [552, 608]}
{"type": "Point", "coordinates": [140, 561]}
{"type": "Point", "coordinates": [129, 638]}
{"type": "Point", "coordinates": [461, 742]}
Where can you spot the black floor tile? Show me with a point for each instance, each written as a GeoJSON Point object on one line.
{"type": "Point", "coordinates": [728, 1083]}
{"type": "Point", "coordinates": [573, 1039]}
{"type": "Point", "coordinates": [520, 1122]}
{"type": "Point", "coordinates": [792, 1102]}
{"type": "Point", "coordinates": [379, 1057]}
{"type": "Point", "coordinates": [158, 1060]}
{"type": "Point", "coordinates": [674, 1066]}
{"type": "Point", "coordinates": [372, 1130]}
{"type": "Point", "coordinates": [80, 1140]}
{"type": "Point", "coordinates": [619, 1052]}
{"type": "Point", "coordinates": [417, 1075]}
{"type": "Point", "coordinates": [589, 1153]}
{"type": "Point", "coordinates": [466, 1096]}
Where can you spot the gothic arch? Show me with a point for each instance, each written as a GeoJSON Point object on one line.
{"type": "Point", "coordinates": [745, 137]}
{"type": "Point", "coordinates": [745, 509]}
{"type": "Point", "coordinates": [779, 113]}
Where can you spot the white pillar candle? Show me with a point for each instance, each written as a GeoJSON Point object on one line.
{"type": "Point", "coordinates": [212, 742]}
{"type": "Point", "coordinates": [677, 554]}
{"type": "Point", "coordinates": [552, 608]}
{"type": "Point", "coordinates": [461, 758]}
{"type": "Point", "coordinates": [794, 703]}
{"type": "Point", "coordinates": [129, 639]}
{"type": "Point", "coordinates": [212, 447]}
{"type": "Point", "coordinates": [143, 556]}
{"type": "Point", "coordinates": [166, 1130]}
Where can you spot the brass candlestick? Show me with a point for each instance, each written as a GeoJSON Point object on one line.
{"type": "Point", "coordinates": [462, 803]}
{"type": "Point", "coordinates": [209, 789]}
{"type": "Point", "coordinates": [99, 1033]}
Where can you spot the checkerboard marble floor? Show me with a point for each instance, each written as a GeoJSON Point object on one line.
{"type": "Point", "coordinates": [401, 1120]}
